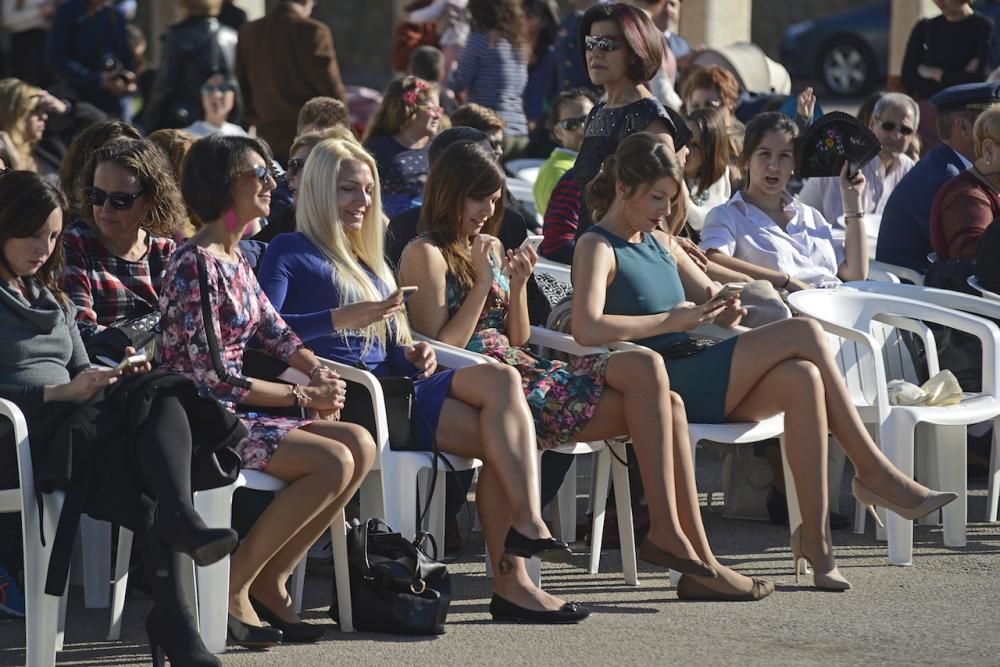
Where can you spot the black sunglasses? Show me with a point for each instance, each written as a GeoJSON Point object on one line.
{"type": "Point", "coordinates": [120, 201]}
{"type": "Point", "coordinates": [295, 165]}
{"type": "Point", "coordinates": [607, 43]}
{"type": "Point", "coordinates": [889, 126]}
{"type": "Point", "coordinates": [261, 172]}
{"type": "Point", "coordinates": [571, 124]}
{"type": "Point", "coordinates": [210, 88]}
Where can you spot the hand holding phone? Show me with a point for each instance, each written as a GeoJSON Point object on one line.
{"type": "Point", "coordinates": [132, 363]}
{"type": "Point", "coordinates": [407, 292]}
{"type": "Point", "coordinates": [728, 291]}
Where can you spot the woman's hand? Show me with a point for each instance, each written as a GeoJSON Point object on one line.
{"type": "Point", "coordinates": [364, 313]}
{"type": "Point", "coordinates": [693, 252]}
{"type": "Point", "coordinates": [326, 392]}
{"type": "Point", "coordinates": [805, 104]}
{"type": "Point", "coordinates": [796, 285]}
{"type": "Point", "coordinates": [852, 191]}
{"type": "Point", "coordinates": [144, 367]}
{"type": "Point", "coordinates": [519, 263]}
{"type": "Point", "coordinates": [482, 259]}
{"type": "Point", "coordinates": [422, 356]}
{"type": "Point", "coordinates": [688, 315]}
{"type": "Point", "coordinates": [82, 388]}
{"type": "Point", "coordinates": [732, 311]}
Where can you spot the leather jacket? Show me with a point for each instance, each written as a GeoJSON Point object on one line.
{"type": "Point", "coordinates": [194, 49]}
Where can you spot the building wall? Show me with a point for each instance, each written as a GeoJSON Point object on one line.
{"type": "Point", "coordinates": [772, 17]}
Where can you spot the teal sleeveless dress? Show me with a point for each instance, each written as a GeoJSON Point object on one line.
{"type": "Point", "coordinates": [647, 282]}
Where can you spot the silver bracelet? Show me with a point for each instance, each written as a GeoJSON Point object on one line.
{"type": "Point", "coordinates": [315, 370]}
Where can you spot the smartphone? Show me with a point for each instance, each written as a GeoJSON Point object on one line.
{"type": "Point", "coordinates": [728, 291]}
{"type": "Point", "coordinates": [132, 361]}
{"type": "Point", "coordinates": [407, 292]}
{"type": "Point", "coordinates": [532, 241]}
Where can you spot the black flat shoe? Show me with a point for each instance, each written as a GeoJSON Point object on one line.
{"type": "Point", "coordinates": [506, 611]}
{"type": "Point", "coordinates": [252, 636]}
{"type": "Point", "coordinates": [292, 633]}
{"type": "Point", "coordinates": [185, 530]}
{"type": "Point", "coordinates": [548, 549]}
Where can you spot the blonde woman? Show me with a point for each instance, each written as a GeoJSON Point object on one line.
{"type": "Point", "coordinates": [398, 137]}
{"type": "Point", "coordinates": [331, 284]}
{"type": "Point", "coordinates": [23, 112]}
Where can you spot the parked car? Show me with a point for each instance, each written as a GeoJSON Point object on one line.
{"type": "Point", "coordinates": [848, 52]}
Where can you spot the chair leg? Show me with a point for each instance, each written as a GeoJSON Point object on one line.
{"type": "Point", "coordinates": [951, 464]}
{"type": "Point", "coordinates": [96, 541]}
{"type": "Point", "coordinates": [927, 442]}
{"type": "Point", "coordinates": [299, 584]}
{"type": "Point", "coordinates": [401, 492]}
{"type": "Point", "coordinates": [897, 442]}
{"type": "Point", "coordinates": [215, 508]}
{"type": "Point", "coordinates": [338, 539]}
{"type": "Point", "coordinates": [791, 494]}
{"type": "Point", "coordinates": [602, 474]}
{"type": "Point", "coordinates": [623, 501]}
{"type": "Point", "coordinates": [120, 583]}
{"type": "Point", "coordinates": [372, 502]}
{"type": "Point", "coordinates": [993, 494]}
{"type": "Point", "coordinates": [565, 510]}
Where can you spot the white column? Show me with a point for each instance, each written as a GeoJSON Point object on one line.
{"type": "Point", "coordinates": [904, 14]}
{"type": "Point", "coordinates": [715, 23]}
{"type": "Point", "coordinates": [254, 8]}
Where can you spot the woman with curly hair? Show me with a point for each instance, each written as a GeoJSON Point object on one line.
{"type": "Point", "coordinates": [81, 149]}
{"type": "Point", "coordinates": [117, 253]}
{"type": "Point", "coordinates": [398, 137]}
{"type": "Point", "coordinates": [493, 67]}
{"type": "Point", "coordinates": [23, 112]}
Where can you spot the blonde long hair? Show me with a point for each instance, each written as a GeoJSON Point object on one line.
{"type": "Point", "coordinates": [317, 215]}
{"type": "Point", "coordinates": [17, 101]}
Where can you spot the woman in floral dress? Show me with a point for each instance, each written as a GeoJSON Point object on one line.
{"type": "Point", "coordinates": [471, 296]}
{"type": "Point", "coordinates": [211, 306]}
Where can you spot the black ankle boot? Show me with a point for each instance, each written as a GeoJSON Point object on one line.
{"type": "Point", "coordinates": [185, 531]}
{"type": "Point", "coordinates": [175, 635]}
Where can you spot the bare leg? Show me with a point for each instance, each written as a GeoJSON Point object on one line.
{"type": "Point", "coordinates": [269, 585]}
{"type": "Point", "coordinates": [636, 401]}
{"type": "Point", "coordinates": [317, 470]}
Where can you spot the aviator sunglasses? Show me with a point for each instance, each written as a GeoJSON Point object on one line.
{"type": "Point", "coordinates": [607, 43]}
{"type": "Point", "coordinates": [120, 201]}
{"type": "Point", "coordinates": [261, 172]}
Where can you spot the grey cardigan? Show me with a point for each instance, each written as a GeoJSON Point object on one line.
{"type": "Point", "coordinates": [39, 344]}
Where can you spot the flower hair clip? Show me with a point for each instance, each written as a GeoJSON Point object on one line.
{"type": "Point", "coordinates": [410, 96]}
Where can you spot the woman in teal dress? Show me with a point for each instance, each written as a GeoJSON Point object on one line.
{"type": "Point", "coordinates": [633, 283]}
{"type": "Point", "coordinates": [473, 296]}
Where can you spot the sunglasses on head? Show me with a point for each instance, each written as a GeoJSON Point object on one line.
{"type": "Point", "coordinates": [295, 166]}
{"type": "Point", "coordinates": [261, 172]}
{"type": "Point", "coordinates": [607, 43]}
{"type": "Point", "coordinates": [889, 126]}
{"type": "Point", "coordinates": [210, 88]}
{"type": "Point", "coordinates": [571, 124]}
{"type": "Point", "coordinates": [120, 201]}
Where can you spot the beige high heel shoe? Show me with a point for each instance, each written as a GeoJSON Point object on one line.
{"type": "Point", "coordinates": [829, 581]}
{"type": "Point", "coordinates": [934, 501]}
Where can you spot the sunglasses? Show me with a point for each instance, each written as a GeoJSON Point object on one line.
{"type": "Point", "coordinates": [889, 126]}
{"type": "Point", "coordinates": [708, 104]}
{"type": "Point", "coordinates": [606, 44]}
{"type": "Point", "coordinates": [120, 201]}
{"type": "Point", "coordinates": [261, 172]}
{"type": "Point", "coordinates": [295, 166]}
{"type": "Point", "coordinates": [571, 124]}
{"type": "Point", "coordinates": [210, 88]}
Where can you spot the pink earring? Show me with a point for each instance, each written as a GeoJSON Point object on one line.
{"type": "Point", "coordinates": [230, 220]}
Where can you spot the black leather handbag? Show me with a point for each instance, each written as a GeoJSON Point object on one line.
{"type": "Point", "coordinates": [399, 397]}
{"type": "Point", "coordinates": [396, 587]}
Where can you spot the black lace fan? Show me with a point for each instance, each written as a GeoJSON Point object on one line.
{"type": "Point", "coordinates": [829, 141]}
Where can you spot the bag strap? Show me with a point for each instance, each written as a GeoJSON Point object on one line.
{"type": "Point", "coordinates": [209, 320]}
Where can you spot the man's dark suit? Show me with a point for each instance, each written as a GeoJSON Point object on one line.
{"type": "Point", "coordinates": [282, 61]}
{"type": "Point", "coordinates": [904, 237]}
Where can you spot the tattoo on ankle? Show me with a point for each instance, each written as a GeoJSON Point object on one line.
{"type": "Point", "coordinates": [505, 566]}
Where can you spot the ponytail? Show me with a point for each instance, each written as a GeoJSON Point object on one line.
{"type": "Point", "coordinates": [601, 189]}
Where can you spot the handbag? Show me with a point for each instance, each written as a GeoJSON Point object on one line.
{"type": "Point", "coordinates": [395, 586]}
{"type": "Point", "coordinates": [399, 396]}
{"type": "Point", "coordinates": [141, 333]}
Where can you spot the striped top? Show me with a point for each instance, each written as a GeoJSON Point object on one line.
{"type": "Point", "coordinates": [562, 216]}
{"type": "Point", "coordinates": [494, 77]}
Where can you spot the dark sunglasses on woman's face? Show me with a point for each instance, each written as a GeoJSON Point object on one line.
{"type": "Point", "coordinates": [120, 201]}
{"type": "Point", "coordinates": [212, 88]}
{"type": "Point", "coordinates": [889, 126]}
{"type": "Point", "coordinates": [295, 166]}
{"type": "Point", "coordinates": [571, 124]}
{"type": "Point", "coordinates": [607, 43]}
{"type": "Point", "coordinates": [261, 172]}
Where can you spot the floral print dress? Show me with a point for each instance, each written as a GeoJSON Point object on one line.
{"type": "Point", "coordinates": [241, 311]}
{"type": "Point", "coordinates": [562, 395]}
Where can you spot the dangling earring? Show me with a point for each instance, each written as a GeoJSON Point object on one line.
{"type": "Point", "coordinates": [231, 221]}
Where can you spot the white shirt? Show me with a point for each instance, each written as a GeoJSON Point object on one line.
{"type": "Point", "coordinates": [701, 203]}
{"type": "Point", "coordinates": [26, 17]}
{"type": "Point", "coordinates": [203, 129]}
{"type": "Point", "coordinates": [805, 249]}
{"type": "Point", "coordinates": [824, 192]}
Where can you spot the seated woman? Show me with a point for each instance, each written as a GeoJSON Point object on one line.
{"type": "Point", "coordinates": [117, 254]}
{"type": "Point", "coordinates": [894, 120]}
{"type": "Point", "coordinates": [715, 87]}
{"type": "Point", "coordinates": [398, 137]}
{"type": "Point", "coordinates": [633, 283]}
{"type": "Point", "coordinates": [769, 235]}
{"type": "Point", "coordinates": [471, 295]}
{"type": "Point", "coordinates": [124, 449]}
{"type": "Point", "coordinates": [333, 286]}
{"type": "Point", "coordinates": [80, 152]}
{"type": "Point", "coordinates": [967, 204]}
{"type": "Point", "coordinates": [706, 170]}
{"type": "Point", "coordinates": [211, 306]}
{"type": "Point", "coordinates": [24, 110]}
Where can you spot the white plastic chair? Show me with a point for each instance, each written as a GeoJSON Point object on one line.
{"type": "Point", "coordinates": [975, 284]}
{"type": "Point", "coordinates": [902, 272]}
{"type": "Point", "coordinates": [44, 614]}
{"type": "Point", "coordinates": [525, 169]}
{"type": "Point", "coordinates": [967, 304]}
{"type": "Point", "coordinates": [853, 318]}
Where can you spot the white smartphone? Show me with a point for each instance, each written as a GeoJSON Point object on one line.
{"type": "Point", "coordinates": [728, 291]}
{"type": "Point", "coordinates": [132, 361]}
{"type": "Point", "coordinates": [532, 241]}
{"type": "Point", "coordinates": [407, 291]}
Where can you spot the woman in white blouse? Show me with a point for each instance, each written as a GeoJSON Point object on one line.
{"type": "Point", "coordinates": [767, 234]}
{"type": "Point", "coordinates": [894, 121]}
